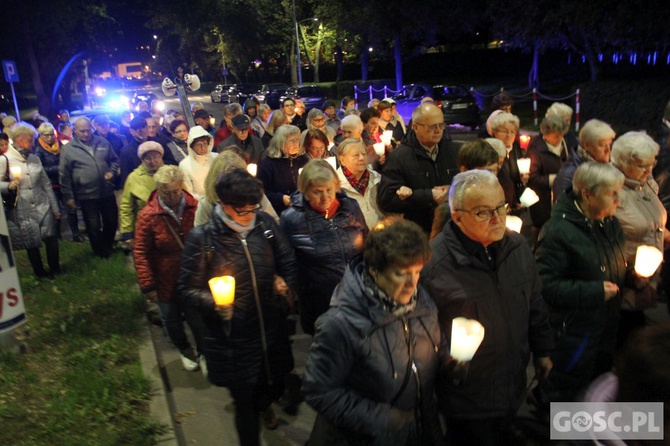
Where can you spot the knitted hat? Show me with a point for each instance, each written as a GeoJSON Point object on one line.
{"type": "Point", "coordinates": [149, 146]}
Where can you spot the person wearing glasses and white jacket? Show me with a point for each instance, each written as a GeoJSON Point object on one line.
{"type": "Point", "coordinates": [196, 165]}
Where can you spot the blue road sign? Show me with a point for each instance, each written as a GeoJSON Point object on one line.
{"type": "Point", "coordinates": [11, 73]}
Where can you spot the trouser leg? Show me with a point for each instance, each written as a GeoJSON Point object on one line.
{"type": "Point", "coordinates": [247, 414]}
{"type": "Point", "coordinates": [110, 221]}
{"type": "Point", "coordinates": [36, 262]}
{"type": "Point", "coordinates": [53, 256]}
{"type": "Point", "coordinates": [91, 213]}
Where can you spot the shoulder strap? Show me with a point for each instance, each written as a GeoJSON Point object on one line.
{"type": "Point", "coordinates": [5, 175]}
{"type": "Point", "coordinates": [177, 237]}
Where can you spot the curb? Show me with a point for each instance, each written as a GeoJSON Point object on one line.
{"type": "Point", "coordinates": [161, 404]}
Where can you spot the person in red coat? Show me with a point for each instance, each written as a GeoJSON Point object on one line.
{"type": "Point", "coordinates": [163, 225]}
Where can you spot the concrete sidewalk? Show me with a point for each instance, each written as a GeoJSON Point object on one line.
{"type": "Point", "coordinates": [198, 413]}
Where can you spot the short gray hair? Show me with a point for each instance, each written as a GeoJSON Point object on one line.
{"type": "Point", "coordinates": [45, 127]}
{"type": "Point", "coordinates": [464, 182]}
{"type": "Point", "coordinates": [168, 174]}
{"type": "Point", "coordinates": [348, 144]}
{"type": "Point", "coordinates": [504, 118]}
{"type": "Point", "coordinates": [317, 170]}
{"type": "Point", "coordinates": [278, 141]}
{"type": "Point", "coordinates": [498, 145]}
{"type": "Point", "coordinates": [633, 146]}
{"type": "Point", "coordinates": [561, 110]}
{"type": "Point", "coordinates": [594, 130]}
{"type": "Point", "coordinates": [553, 124]}
{"type": "Point", "coordinates": [352, 121]}
{"type": "Point", "coordinates": [592, 176]}
{"type": "Point", "coordinates": [233, 109]}
{"type": "Point", "coordinates": [23, 129]}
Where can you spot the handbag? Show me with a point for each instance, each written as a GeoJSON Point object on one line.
{"type": "Point", "coordinates": [8, 198]}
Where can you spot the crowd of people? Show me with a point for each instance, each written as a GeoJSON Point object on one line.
{"type": "Point", "coordinates": [378, 233]}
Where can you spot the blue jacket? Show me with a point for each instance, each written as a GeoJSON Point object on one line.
{"type": "Point", "coordinates": [323, 248]}
{"type": "Point", "coordinates": [359, 361]}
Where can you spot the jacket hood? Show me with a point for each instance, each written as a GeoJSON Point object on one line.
{"type": "Point", "coordinates": [197, 132]}
{"type": "Point", "coordinates": [363, 306]}
{"type": "Point", "coordinates": [250, 103]}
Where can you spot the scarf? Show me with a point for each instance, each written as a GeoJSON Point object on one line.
{"type": "Point", "coordinates": [330, 212]}
{"type": "Point", "coordinates": [54, 148]}
{"type": "Point", "coordinates": [174, 214]}
{"type": "Point", "coordinates": [390, 305]}
{"type": "Point", "coordinates": [360, 185]}
{"type": "Point", "coordinates": [242, 231]}
{"type": "Point", "coordinates": [584, 155]}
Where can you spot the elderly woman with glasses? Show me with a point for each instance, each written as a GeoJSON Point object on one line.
{"type": "Point", "coordinates": [280, 168]}
{"type": "Point", "coordinates": [33, 216]}
{"type": "Point", "coordinates": [643, 218]}
{"type": "Point", "coordinates": [581, 259]}
{"type": "Point", "coordinates": [47, 149]}
{"type": "Point", "coordinates": [505, 127]}
{"type": "Point", "coordinates": [246, 345]}
{"type": "Point", "coordinates": [327, 229]}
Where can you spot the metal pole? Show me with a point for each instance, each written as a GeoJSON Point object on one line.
{"type": "Point", "coordinates": [297, 45]}
{"type": "Point", "coordinates": [16, 103]}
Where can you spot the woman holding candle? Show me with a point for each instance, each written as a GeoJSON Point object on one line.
{"type": "Point", "coordinates": [505, 127]}
{"type": "Point", "coordinates": [33, 219]}
{"type": "Point", "coordinates": [370, 373]}
{"type": "Point", "coordinates": [581, 259]}
{"type": "Point", "coordinates": [327, 229]}
{"type": "Point", "coordinates": [279, 169]}
{"type": "Point", "coordinates": [247, 351]}
{"type": "Point", "coordinates": [547, 153]}
{"type": "Point", "coordinates": [642, 217]}
{"type": "Point", "coordinates": [359, 181]}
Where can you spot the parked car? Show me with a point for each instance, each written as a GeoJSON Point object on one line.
{"type": "Point", "coordinates": [245, 91]}
{"type": "Point", "coordinates": [221, 93]}
{"type": "Point", "coordinates": [312, 96]}
{"type": "Point", "coordinates": [457, 103]}
{"type": "Point", "coordinates": [271, 93]}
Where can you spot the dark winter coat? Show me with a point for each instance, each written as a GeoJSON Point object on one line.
{"type": "Point", "coordinates": [252, 147]}
{"type": "Point", "coordinates": [505, 297]}
{"type": "Point", "coordinates": [542, 164]}
{"type": "Point", "coordinates": [82, 174]}
{"type": "Point", "coordinates": [410, 165]}
{"type": "Point", "coordinates": [510, 178]}
{"type": "Point", "coordinates": [50, 162]}
{"type": "Point", "coordinates": [323, 248]}
{"type": "Point", "coordinates": [157, 253]}
{"type": "Point", "coordinates": [280, 177]}
{"type": "Point", "coordinates": [239, 358]}
{"type": "Point", "coordinates": [574, 256]}
{"type": "Point", "coordinates": [359, 361]}
{"type": "Point", "coordinates": [563, 179]}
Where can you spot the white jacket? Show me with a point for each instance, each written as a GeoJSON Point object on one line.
{"type": "Point", "coordinates": [367, 202]}
{"type": "Point", "coordinates": [196, 167]}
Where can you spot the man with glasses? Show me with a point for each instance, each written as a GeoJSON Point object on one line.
{"type": "Point", "coordinates": [417, 174]}
{"type": "Point", "coordinates": [288, 107]}
{"type": "Point", "coordinates": [481, 271]}
{"type": "Point", "coordinates": [251, 145]}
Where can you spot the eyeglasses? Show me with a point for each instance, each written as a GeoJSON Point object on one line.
{"type": "Point", "coordinates": [248, 211]}
{"type": "Point", "coordinates": [487, 214]}
{"type": "Point", "coordinates": [505, 131]}
{"type": "Point", "coordinates": [289, 105]}
{"type": "Point", "coordinates": [433, 127]}
{"type": "Point", "coordinates": [646, 166]}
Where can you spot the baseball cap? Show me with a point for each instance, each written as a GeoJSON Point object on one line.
{"type": "Point", "coordinates": [241, 122]}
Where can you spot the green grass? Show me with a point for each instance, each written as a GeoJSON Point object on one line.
{"type": "Point", "coordinates": [80, 381]}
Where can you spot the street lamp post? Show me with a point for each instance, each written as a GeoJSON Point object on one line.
{"type": "Point", "coordinates": [297, 45]}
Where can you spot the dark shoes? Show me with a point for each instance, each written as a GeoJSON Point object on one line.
{"type": "Point", "coordinates": [78, 238]}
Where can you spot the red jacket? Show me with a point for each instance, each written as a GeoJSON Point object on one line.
{"type": "Point", "coordinates": [157, 253]}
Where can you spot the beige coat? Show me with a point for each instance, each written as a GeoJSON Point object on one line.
{"type": "Point", "coordinates": [367, 202]}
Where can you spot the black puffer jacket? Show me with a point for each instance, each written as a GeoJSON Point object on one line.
{"type": "Point", "coordinates": [239, 358]}
{"type": "Point", "coordinates": [410, 165]}
{"type": "Point", "coordinates": [323, 248]}
{"type": "Point", "coordinates": [574, 256]}
{"type": "Point", "coordinates": [359, 361]}
{"type": "Point", "coordinates": [504, 295]}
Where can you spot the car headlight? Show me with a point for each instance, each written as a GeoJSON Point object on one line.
{"type": "Point", "coordinates": [99, 91]}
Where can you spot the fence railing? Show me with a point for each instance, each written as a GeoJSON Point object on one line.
{"type": "Point", "coordinates": [535, 93]}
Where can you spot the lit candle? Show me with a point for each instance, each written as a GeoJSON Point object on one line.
{"type": "Point", "coordinates": [524, 140]}
{"type": "Point", "coordinates": [15, 171]}
{"type": "Point", "coordinates": [223, 290]}
{"type": "Point", "coordinates": [466, 336]}
{"type": "Point", "coordinates": [529, 197]}
{"type": "Point", "coordinates": [331, 160]}
{"type": "Point", "coordinates": [647, 260]}
{"type": "Point", "coordinates": [380, 148]}
{"type": "Point", "coordinates": [513, 223]}
{"type": "Point", "coordinates": [300, 171]}
{"type": "Point", "coordinates": [252, 169]}
{"type": "Point", "coordinates": [524, 165]}
{"type": "Point", "coordinates": [386, 137]}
